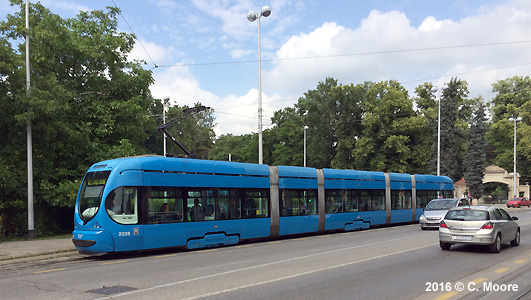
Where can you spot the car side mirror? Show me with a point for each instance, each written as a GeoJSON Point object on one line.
{"type": "Point", "coordinates": [515, 218]}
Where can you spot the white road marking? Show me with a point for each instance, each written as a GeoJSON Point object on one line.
{"type": "Point", "coordinates": [272, 264]}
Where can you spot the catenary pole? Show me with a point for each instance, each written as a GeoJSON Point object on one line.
{"type": "Point", "coordinates": [31, 224]}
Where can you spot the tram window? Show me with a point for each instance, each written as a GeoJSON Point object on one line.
{"type": "Point", "coordinates": [371, 200]}
{"type": "Point", "coordinates": [235, 209]}
{"type": "Point", "coordinates": [164, 205]}
{"type": "Point", "coordinates": [401, 199]}
{"type": "Point", "coordinates": [255, 204]}
{"type": "Point", "coordinates": [297, 202]}
{"type": "Point", "coordinates": [311, 202]}
{"type": "Point", "coordinates": [196, 205]}
{"type": "Point", "coordinates": [350, 200]}
{"type": "Point", "coordinates": [425, 196]}
{"type": "Point", "coordinates": [208, 202]}
{"type": "Point", "coordinates": [365, 200]}
{"type": "Point", "coordinates": [338, 201]}
{"type": "Point", "coordinates": [422, 199]}
{"type": "Point", "coordinates": [447, 193]}
{"type": "Point", "coordinates": [222, 205]}
{"type": "Point", "coordinates": [122, 205]}
{"type": "Point", "coordinates": [90, 194]}
{"type": "Point", "coordinates": [334, 202]}
{"type": "Point", "coordinates": [378, 200]}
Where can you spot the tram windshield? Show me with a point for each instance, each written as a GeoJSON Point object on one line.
{"type": "Point", "coordinates": [91, 193]}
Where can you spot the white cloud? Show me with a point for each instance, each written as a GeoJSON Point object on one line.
{"type": "Point", "coordinates": [384, 46]}
{"type": "Point", "coordinates": [355, 55]}
{"type": "Point", "coordinates": [431, 24]}
{"type": "Point", "coordinates": [239, 115]}
{"type": "Point", "coordinates": [181, 86]}
{"type": "Point", "coordinates": [239, 53]}
{"type": "Point", "coordinates": [147, 51]}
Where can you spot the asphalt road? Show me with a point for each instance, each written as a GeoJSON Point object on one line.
{"type": "Point", "coordinates": [401, 262]}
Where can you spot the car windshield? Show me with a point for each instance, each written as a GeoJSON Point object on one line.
{"type": "Point", "coordinates": [467, 215]}
{"type": "Point", "coordinates": [440, 205]}
{"type": "Point", "coordinates": [90, 195]}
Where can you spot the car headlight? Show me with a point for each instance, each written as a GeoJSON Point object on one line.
{"type": "Point", "coordinates": [422, 218]}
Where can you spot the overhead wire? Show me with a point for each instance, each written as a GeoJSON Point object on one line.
{"type": "Point", "coordinates": [345, 55]}
{"type": "Point", "coordinates": [469, 72]}
{"type": "Point", "coordinates": [135, 35]}
{"type": "Point", "coordinates": [329, 56]}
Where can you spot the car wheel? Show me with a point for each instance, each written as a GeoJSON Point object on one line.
{"type": "Point", "coordinates": [445, 246]}
{"type": "Point", "coordinates": [496, 246]}
{"type": "Point", "coordinates": [519, 205]}
{"type": "Point", "coordinates": [516, 240]}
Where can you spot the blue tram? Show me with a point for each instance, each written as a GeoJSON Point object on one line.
{"type": "Point", "coordinates": [150, 202]}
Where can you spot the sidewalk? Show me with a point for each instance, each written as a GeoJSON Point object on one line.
{"type": "Point", "coordinates": [32, 248]}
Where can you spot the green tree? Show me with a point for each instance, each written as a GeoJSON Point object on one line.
{"type": "Point", "coordinates": [349, 99]}
{"type": "Point", "coordinates": [193, 130]}
{"type": "Point", "coordinates": [87, 103]}
{"type": "Point", "coordinates": [242, 148]}
{"type": "Point", "coordinates": [319, 112]}
{"type": "Point", "coordinates": [476, 159]}
{"type": "Point", "coordinates": [288, 137]}
{"type": "Point", "coordinates": [513, 99]}
{"type": "Point", "coordinates": [425, 141]}
{"type": "Point", "coordinates": [455, 113]}
{"type": "Point", "coordinates": [389, 122]}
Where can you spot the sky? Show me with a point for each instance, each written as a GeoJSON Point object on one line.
{"type": "Point", "coordinates": [207, 51]}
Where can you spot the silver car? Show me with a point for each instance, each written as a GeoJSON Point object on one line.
{"type": "Point", "coordinates": [479, 225]}
{"type": "Point", "coordinates": [436, 210]}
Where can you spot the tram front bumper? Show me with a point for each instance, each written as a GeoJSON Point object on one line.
{"type": "Point", "coordinates": [93, 242]}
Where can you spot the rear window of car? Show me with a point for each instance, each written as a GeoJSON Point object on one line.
{"type": "Point", "coordinates": [440, 204]}
{"type": "Point", "coordinates": [467, 215]}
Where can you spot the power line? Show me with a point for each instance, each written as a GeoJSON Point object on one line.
{"type": "Point", "coordinates": [470, 72]}
{"type": "Point", "coordinates": [254, 104]}
{"type": "Point", "coordinates": [130, 28]}
{"type": "Point", "coordinates": [242, 116]}
{"type": "Point", "coordinates": [346, 55]}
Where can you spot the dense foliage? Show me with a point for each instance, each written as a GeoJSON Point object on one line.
{"type": "Point", "coordinates": [88, 102]}
{"type": "Point", "coordinates": [476, 157]}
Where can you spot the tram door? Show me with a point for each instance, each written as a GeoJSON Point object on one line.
{"type": "Point", "coordinates": [122, 206]}
{"type": "Point", "coordinates": [165, 213]}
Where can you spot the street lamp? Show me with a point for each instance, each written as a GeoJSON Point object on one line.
{"type": "Point", "coordinates": [305, 128]}
{"type": "Point", "coordinates": [515, 190]}
{"type": "Point", "coordinates": [29, 138]}
{"type": "Point", "coordinates": [439, 138]}
{"type": "Point", "coordinates": [165, 103]}
{"type": "Point", "coordinates": [253, 16]}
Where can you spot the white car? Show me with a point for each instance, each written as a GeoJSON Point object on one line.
{"type": "Point", "coordinates": [437, 209]}
{"type": "Point", "coordinates": [479, 225]}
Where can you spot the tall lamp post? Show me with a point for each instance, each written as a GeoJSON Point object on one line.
{"type": "Point", "coordinates": [439, 138]}
{"type": "Point", "coordinates": [31, 220]}
{"type": "Point", "coordinates": [165, 103]}
{"type": "Point", "coordinates": [515, 189]}
{"type": "Point", "coordinates": [253, 16]}
{"type": "Point", "coordinates": [305, 128]}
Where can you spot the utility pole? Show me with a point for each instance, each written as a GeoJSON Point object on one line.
{"type": "Point", "coordinates": [31, 224]}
